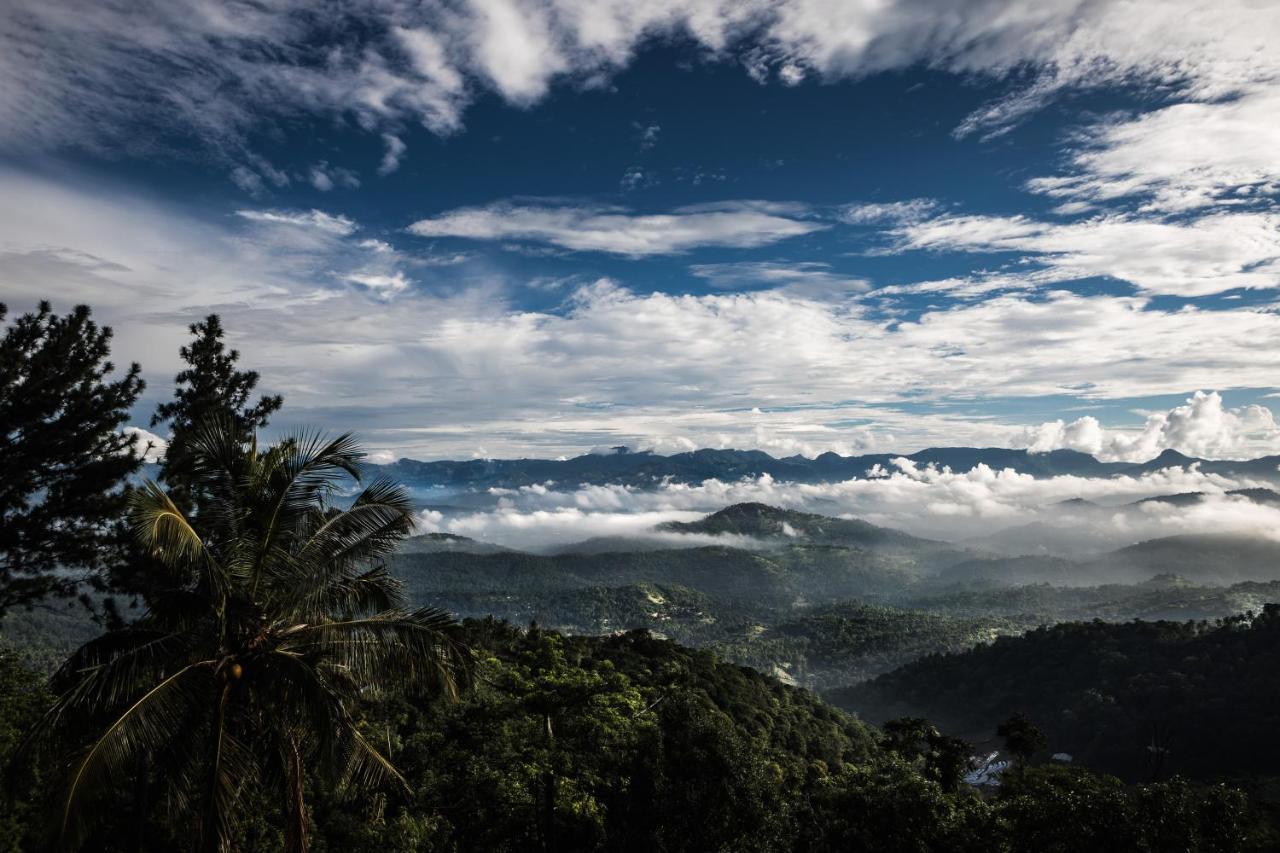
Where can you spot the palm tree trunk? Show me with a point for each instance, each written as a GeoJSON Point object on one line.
{"type": "Point", "coordinates": [550, 843]}
{"type": "Point", "coordinates": [295, 816]}
{"type": "Point", "coordinates": [211, 828]}
{"type": "Point", "coordinates": [141, 803]}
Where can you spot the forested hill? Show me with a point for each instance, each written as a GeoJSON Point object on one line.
{"type": "Point", "coordinates": [631, 743]}
{"type": "Point", "coordinates": [644, 468]}
{"type": "Point", "coordinates": [1135, 699]}
{"type": "Point", "coordinates": [761, 521]}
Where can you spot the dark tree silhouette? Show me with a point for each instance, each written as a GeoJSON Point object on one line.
{"type": "Point", "coordinates": [209, 388]}
{"type": "Point", "coordinates": [1021, 738]}
{"type": "Point", "coordinates": [64, 461]}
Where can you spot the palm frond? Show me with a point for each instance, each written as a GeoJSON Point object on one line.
{"type": "Point", "coordinates": [366, 766]}
{"type": "Point", "coordinates": [148, 725]}
{"type": "Point", "coordinates": [109, 670]}
{"type": "Point", "coordinates": [351, 595]}
{"type": "Point", "coordinates": [415, 650]}
{"type": "Point", "coordinates": [168, 535]}
{"type": "Point", "coordinates": [380, 517]}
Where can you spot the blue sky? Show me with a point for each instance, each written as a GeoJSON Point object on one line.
{"type": "Point", "coordinates": [506, 228]}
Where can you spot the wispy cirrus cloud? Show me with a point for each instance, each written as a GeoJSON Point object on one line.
{"type": "Point", "coordinates": [1207, 255]}
{"type": "Point", "coordinates": [336, 224]}
{"type": "Point", "coordinates": [737, 224]}
{"type": "Point", "coordinates": [802, 278]}
{"type": "Point", "coordinates": [196, 66]}
{"type": "Point", "coordinates": [1181, 157]}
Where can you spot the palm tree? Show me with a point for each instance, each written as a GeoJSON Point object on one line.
{"type": "Point", "coordinates": [279, 614]}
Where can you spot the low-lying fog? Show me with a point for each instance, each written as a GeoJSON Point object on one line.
{"type": "Point", "coordinates": [999, 509]}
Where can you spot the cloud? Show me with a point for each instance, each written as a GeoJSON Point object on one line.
{"type": "Point", "coordinates": [648, 135]}
{"type": "Point", "coordinates": [925, 501]}
{"type": "Point", "coordinates": [1178, 158]}
{"type": "Point", "coordinates": [1208, 255]}
{"type": "Point", "coordinates": [738, 224]}
{"type": "Point", "coordinates": [386, 285]}
{"type": "Point", "coordinates": [317, 219]}
{"type": "Point", "coordinates": [894, 212]}
{"type": "Point", "coordinates": [393, 155]}
{"type": "Point", "coordinates": [325, 177]}
{"type": "Point", "coordinates": [1202, 427]}
{"type": "Point", "coordinates": [804, 278]}
{"type": "Point", "coordinates": [149, 445]}
{"type": "Point", "coordinates": [458, 363]}
{"type": "Point", "coordinates": [77, 75]}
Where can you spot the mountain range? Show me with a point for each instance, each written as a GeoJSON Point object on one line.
{"type": "Point", "coordinates": [826, 601]}
{"type": "Point", "coordinates": [645, 468]}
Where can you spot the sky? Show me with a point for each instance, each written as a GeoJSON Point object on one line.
{"type": "Point", "coordinates": [506, 228]}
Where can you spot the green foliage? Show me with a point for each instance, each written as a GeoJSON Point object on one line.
{"type": "Point", "coordinates": [23, 699]}
{"type": "Point", "coordinates": [1163, 597]}
{"type": "Point", "coordinates": [275, 618]}
{"type": "Point", "coordinates": [847, 642]}
{"type": "Point", "coordinates": [632, 743]}
{"type": "Point", "coordinates": [64, 458]}
{"type": "Point", "coordinates": [1021, 737]}
{"type": "Point", "coordinates": [1064, 809]}
{"type": "Point", "coordinates": [1140, 699]}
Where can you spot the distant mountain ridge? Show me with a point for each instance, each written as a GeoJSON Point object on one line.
{"type": "Point", "coordinates": [645, 468]}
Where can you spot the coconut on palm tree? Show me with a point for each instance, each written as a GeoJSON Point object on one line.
{"type": "Point", "coordinates": [243, 676]}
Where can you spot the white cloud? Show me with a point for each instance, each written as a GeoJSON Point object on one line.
{"type": "Point", "coordinates": [381, 457]}
{"type": "Point", "coordinates": [317, 219]}
{"type": "Point", "coordinates": [387, 285]}
{"type": "Point", "coordinates": [925, 501]}
{"type": "Point", "coordinates": [649, 135]}
{"type": "Point", "coordinates": [803, 278]}
{"type": "Point", "coordinates": [149, 445]}
{"type": "Point", "coordinates": [740, 224]}
{"type": "Point", "coordinates": [1180, 157]}
{"type": "Point", "coordinates": [1213, 253]}
{"type": "Point", "coordinates": [449, 368]}
{"type": "Point", "coordinates": [192, 64]}
{"type": "Point", "coordinates": [325, 177]}
{"type": "Point", "coordinates": [1202, 427]}
{"type": "Point", "coordinates": [393, 155]}
{"type": "Point", "coordinates": [894, 212]}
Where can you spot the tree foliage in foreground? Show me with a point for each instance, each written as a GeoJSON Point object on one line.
{"type": "Point", "coordinates": [240, 685]}
{"type": "Point", "coordinates": [630, 743]}
{"type": "Point", "coordinates": [64, 460]}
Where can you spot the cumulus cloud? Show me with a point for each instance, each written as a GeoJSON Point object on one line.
{"type": "Point", "coordinates": [1202, 427]}
{"type": "Point", "coordinates": [452, 368]}
{"type": "Point", "coordinates": [149, 445]}
{"type": "Point", "coordinates": [739, 224]}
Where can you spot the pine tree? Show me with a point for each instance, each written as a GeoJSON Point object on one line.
{"type": "Point", "coordinates": [64, 461]}
{"type": "Point", "coordinates": [209, 388]}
